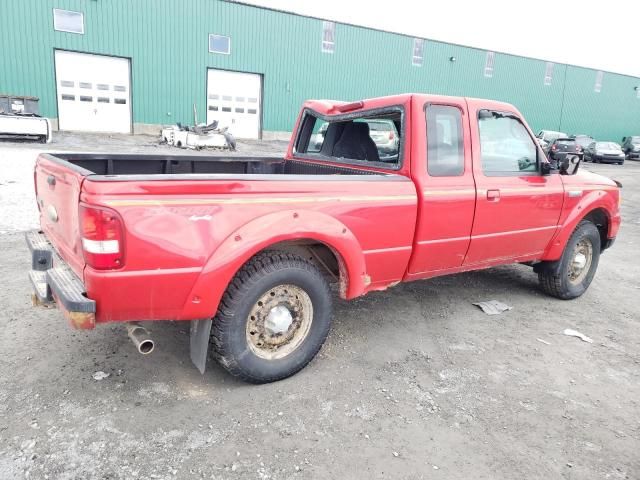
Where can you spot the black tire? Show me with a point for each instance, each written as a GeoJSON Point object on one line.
{"type": "Point", "coordinates": [555, 280]}
{"type": "Point", "coordinates": [262, 275]}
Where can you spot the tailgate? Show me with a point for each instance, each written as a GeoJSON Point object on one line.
{"type": "Point", "coordinates": [58, 195]}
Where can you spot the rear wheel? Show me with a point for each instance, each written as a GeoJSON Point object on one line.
{"type": "Point", "coordinates": [574, 272]}
{"type": "Point", "coordinates": [273, 318]}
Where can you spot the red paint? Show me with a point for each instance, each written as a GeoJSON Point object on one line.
{"type": "Point", "coordinates": [187, 241]}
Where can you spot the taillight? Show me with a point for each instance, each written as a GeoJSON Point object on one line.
{"type": "Point", "coordinates": [554, 147]}
{"type": "Point", "coordinates": [391, 135]}
{"type": "Point", "coordinates": [102, 235]}
{"type": "Point", "coordinates": [578, 148]}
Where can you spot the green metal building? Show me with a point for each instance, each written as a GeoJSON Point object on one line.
{"type": "Point", "coordinates": [152, 60]}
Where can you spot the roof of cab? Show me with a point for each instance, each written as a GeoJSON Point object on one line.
{"type": "Point", "coordinates": [328, 107]}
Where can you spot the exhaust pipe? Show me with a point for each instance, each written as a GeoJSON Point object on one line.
{"type": "Point", "coordinates": [140, 338]}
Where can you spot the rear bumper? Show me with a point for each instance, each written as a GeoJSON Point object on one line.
{"type": "Point", "coordinates": [54, 281]}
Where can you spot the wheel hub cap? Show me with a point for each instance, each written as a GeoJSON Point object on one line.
{"type": "Point", "coordinates": [278, 320]}
{"type": "Point", "coordinates": [581, 262]}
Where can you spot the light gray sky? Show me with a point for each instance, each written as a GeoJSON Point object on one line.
{"type": "Point", "coordinates": [598, 34]}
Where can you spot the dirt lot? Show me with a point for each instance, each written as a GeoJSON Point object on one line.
{"type": "Point", "coordinates": [413, 383]}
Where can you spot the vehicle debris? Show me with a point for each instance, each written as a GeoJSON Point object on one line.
{"type": "Point", "coordinates": [493, 307]}
{"type": "Point", "coordinates": [100, 375]}
{"type": "Point", "coordinates": [199, 136]}
{"type": "Point", "coordinates": [574, 333]}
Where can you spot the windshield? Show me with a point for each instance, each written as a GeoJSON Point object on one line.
{"type": "Point", "coordinates": [552, 136]}
{"type": "Point", "coordinates": [635, 140]}
{"type": "Point", "coordinates": [566, 142]}
{"type": "Point", "coordinates": [584, 141]}
{"type": "Point", "coordinates": [607, 146]}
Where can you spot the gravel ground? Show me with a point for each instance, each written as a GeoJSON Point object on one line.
{"type": "Point", "coordinates": [413, 383]}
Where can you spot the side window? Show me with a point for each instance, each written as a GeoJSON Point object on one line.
{"type": "Point", "coordinates": [317, 136]}
{"type": "Point", "coordinates": [445, 147]}
{"type": "Point", "coordinates": [505, 145]}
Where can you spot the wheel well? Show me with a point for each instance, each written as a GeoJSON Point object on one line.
{"type": "Point", "coordinates": [600, 219]}
{"type": "Point", "coordinates": [321, 255]}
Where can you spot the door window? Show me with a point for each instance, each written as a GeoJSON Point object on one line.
{"type": "Point", "coordinates": [445, 147]}
{"type": "Point", "coordinates": [505, 145]}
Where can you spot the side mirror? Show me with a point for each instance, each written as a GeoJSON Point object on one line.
{"type": "Point", "coordinates": [569, 165]}
{"type": "Point", "coordinates": [545, 168]}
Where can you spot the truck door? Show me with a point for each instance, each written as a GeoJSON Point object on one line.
{"type": "Point", "coordinates": [517, 209]}
{"type": "Point", "coordinates": [442, 171]}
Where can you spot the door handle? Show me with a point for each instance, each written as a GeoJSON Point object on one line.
{"type": "Point", "coordinates": [51, 180]}
{"type": "Point", "coordinates": [493, 195]}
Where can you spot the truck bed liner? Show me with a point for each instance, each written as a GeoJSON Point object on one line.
{"type": "Point", "coordinates": [148, 165]}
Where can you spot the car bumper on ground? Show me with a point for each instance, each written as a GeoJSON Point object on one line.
{"type": "Point", "coordinates": [608, 158]}
{"type": "Point", "coordinates": [54, 281]}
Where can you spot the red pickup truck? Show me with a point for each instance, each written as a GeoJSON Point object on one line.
{"type": "Point", "coordinates": [245, 248]}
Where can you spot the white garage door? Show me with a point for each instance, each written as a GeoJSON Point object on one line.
{"type": "Point", "coordinates": [93, 92]}
{"type": "Point", "coordinates": [233, 98]}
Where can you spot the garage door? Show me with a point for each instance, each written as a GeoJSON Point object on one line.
{"type": "Point", "coordinates": [93, 92]}
{"type": "Point", "coordinates": [233, 98]}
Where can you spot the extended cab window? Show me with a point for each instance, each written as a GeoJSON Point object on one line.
{"type": "Point", "coordinates": [445, 148]}
{"type": "Point", "coordinates": [368, 138]}
{"type": "Point", "coordinates": [505, 145]}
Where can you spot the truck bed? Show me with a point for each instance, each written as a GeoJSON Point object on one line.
{"type": "Point", "coordinates": [141, 166]}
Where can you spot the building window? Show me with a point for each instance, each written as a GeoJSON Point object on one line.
{"type": "Point", "coordinates": [418, 52]}
{"type": "Point", "coordinates": [488, 64]}
{"type": "Point", "coordinates": [328, 37]}
{"type": "Point", "coordinates": [68, 21]}
{"type": "Point", "coordinates": [598, 86]}
{"type": "Point", "coordinates": [548, 73]}
{"type": "Point", "coordinates": [219, 44]}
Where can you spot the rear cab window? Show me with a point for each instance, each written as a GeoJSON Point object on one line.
{"type": "Point", "coordinates": [373, 137]}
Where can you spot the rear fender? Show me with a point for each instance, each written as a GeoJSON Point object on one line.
{"type": "Point", "coordinates": [268, 230]}
{"type": "Point", "coordinates": [589, 202]}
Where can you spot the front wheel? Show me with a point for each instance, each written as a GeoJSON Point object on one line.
{"type": "Point", "coordinates": [273, 318]}
{"type": "Point", "coordinates": [577, 266]}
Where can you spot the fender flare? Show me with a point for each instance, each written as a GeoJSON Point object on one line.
{"type": "Point", "coordinates": [267, 230]}
{"type": "Point", "coordinates": [594, 200]}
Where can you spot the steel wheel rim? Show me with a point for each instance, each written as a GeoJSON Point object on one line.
{"type": "Point", "coordinates": [279, 322]}
{"type": "Point", "coordinates": [580, 261]}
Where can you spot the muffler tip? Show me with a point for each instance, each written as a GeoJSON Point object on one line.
{"type": "Point", "coordinates": [146, 347]}
{"type": "Point", "coordinates": [140, 338]}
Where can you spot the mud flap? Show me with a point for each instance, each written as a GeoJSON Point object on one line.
{"type": "Point", "coordinates": [200, 331]}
